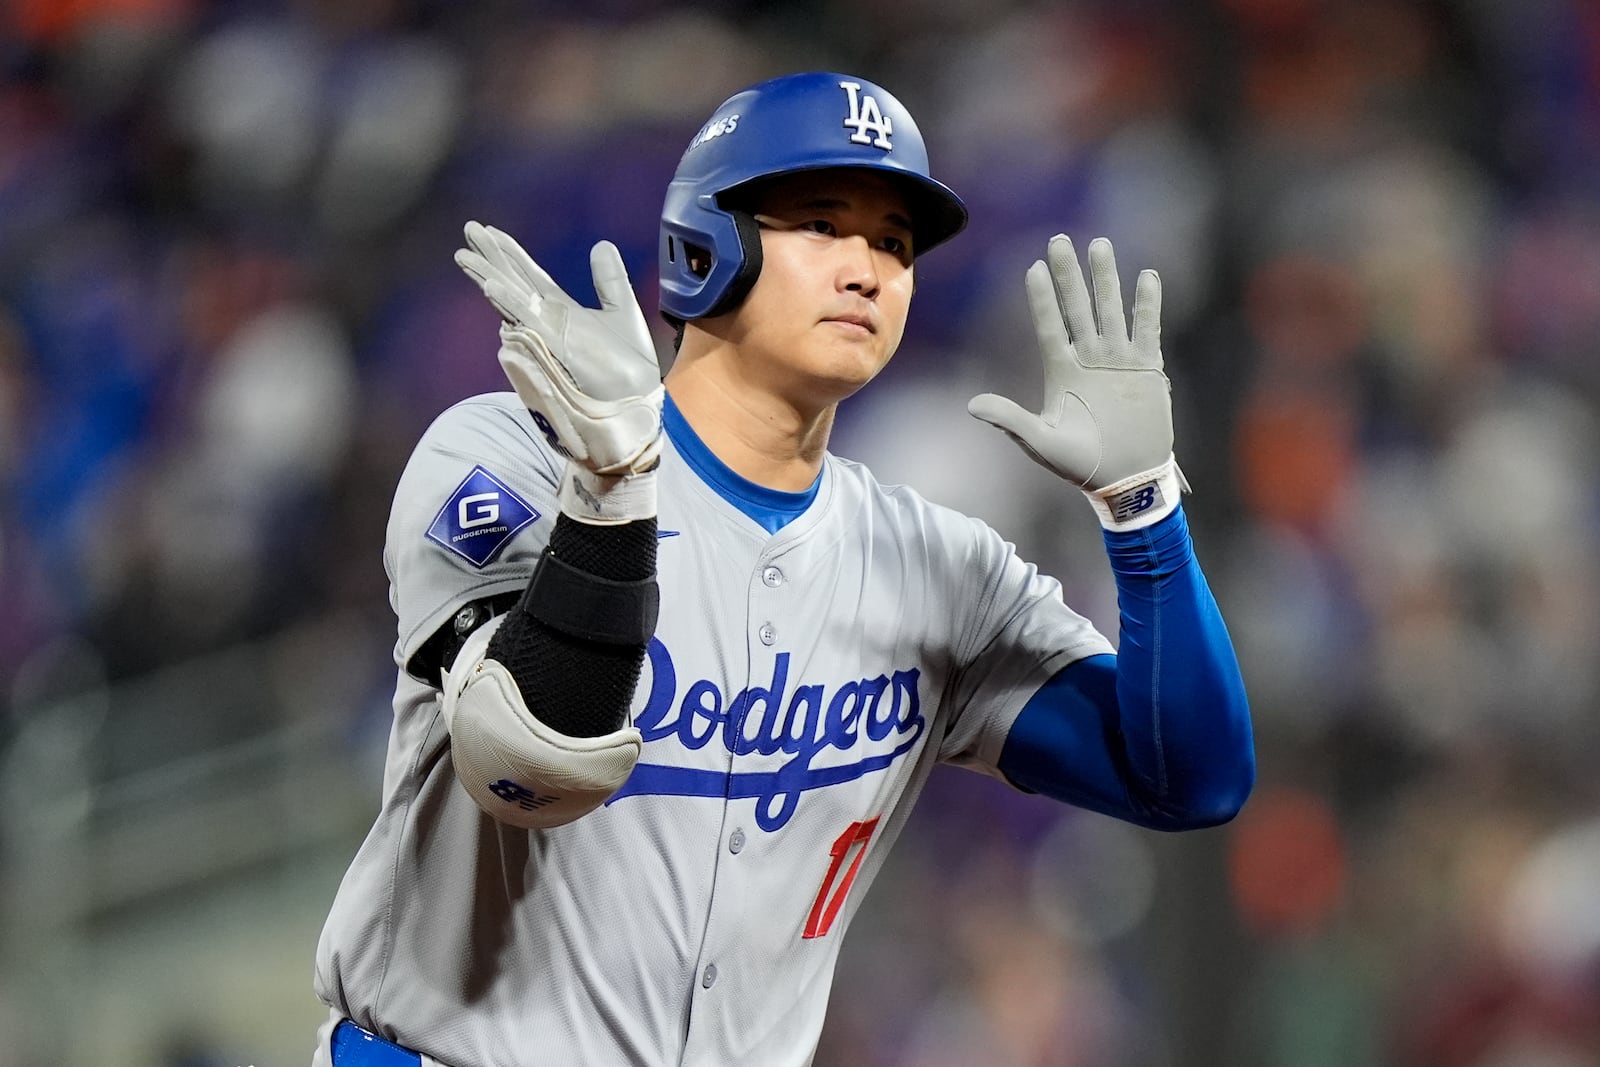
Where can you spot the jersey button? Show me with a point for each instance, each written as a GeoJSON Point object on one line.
{"type": "Point", "coordinates": [736, 842]}
{"type": "Point", "coordinates": [772, 576]}
{"type": "Point", "coordinates": [709, 978]}
{"type": "Point", "coordinates": [768, 634]}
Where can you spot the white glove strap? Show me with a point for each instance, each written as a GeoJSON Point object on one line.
{"type": "Point", "coordinates": [605, 499]}
{"type": "Point", "coordinates": [1142, 500]}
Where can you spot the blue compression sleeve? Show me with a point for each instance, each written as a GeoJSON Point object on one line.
{"type": "Point", "coordinates": [1158, 734]}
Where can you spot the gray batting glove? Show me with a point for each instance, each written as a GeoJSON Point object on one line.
{"type": "Point", "coordinates": [589, 376]}
{"type": "Point", "coordinates": [1106, 420]}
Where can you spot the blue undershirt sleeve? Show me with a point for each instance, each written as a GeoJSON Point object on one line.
{"type": "Point", "coordinates": [1158, 734]}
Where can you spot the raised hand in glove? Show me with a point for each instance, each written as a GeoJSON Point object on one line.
{"type": "Point", "coordinates": [1105, 423]}
{"type": "Point", "coordinates": [589, 376]}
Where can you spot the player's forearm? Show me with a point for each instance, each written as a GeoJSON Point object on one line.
{"type": "Point", "coordinates": [1158, 734]}
{"type": "Point", "coordinates": [1182, 710]}
{"type": "Point", "coordinates": [574, 683]}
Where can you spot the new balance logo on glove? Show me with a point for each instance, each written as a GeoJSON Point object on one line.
{"type": "Point", "coordinates": [520, 795]}
{"type": "Point", "coordinates": [1136, 501]}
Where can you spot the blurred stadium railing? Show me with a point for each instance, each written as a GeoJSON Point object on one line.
{"type": "Point", "coordinates": [171, 844]}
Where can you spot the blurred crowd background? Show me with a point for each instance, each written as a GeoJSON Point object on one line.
{"type": "Point", "coordinates": [228, 309]}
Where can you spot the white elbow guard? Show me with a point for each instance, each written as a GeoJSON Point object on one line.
{"type": "Point", "coordinates": [519, 770]}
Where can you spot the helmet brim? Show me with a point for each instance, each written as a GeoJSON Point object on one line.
{"type": "Point", "coordinates": [937, 213]}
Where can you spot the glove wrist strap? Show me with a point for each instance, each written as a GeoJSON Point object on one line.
{"type": "Point", "coordinates": [607, 499]}
{"type": "Point", "coordinates": [1141, 500]}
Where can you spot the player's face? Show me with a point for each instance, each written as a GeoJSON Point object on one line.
{"type": "Point", "coordinates": [829, 307]}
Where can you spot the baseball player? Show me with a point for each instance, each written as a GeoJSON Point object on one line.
{"type": "Point", "coordinates": [672, 675]}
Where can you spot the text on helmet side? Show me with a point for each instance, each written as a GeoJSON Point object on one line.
{"type": "Point", "coordinates": [712, 130]}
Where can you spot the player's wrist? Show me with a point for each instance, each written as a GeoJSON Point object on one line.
{"type": "Point", "coordinates": [1157, 551]}
{"type": "Point", "coordinates": [607, 499]}
{"type": "Point", "coordinates": [1139, 500]}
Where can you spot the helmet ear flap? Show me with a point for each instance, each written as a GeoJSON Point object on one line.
{"type": "Point", "coordinates": [749, 232]}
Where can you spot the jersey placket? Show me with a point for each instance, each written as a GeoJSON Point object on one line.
{"type": "Point", "coordinates": [721, 978]}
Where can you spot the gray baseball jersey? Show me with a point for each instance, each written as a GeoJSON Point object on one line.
{"type": "Point", "coordinates": [798, 690]}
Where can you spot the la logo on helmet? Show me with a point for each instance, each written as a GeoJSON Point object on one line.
{"type": "Point", "coordinates": [866, 115]}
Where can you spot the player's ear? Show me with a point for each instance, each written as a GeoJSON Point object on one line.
{"type": "Point", "coordinates": [699, 259]}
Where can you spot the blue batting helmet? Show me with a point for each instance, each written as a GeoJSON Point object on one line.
{"type": "Point", "coordinates": [711, 254]}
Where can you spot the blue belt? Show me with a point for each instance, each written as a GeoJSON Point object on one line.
{"type": "Point", "coordinates": [355, 1047]}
